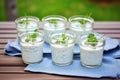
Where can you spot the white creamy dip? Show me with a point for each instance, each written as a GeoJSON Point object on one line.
{"type": "Point", "coordinates": [91, 56]}
{"type": "Point", "coordinates": [32, 52]}
{"type": "Point", "coordinates": [62, 54]}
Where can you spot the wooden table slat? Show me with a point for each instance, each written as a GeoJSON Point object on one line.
{"type": "Point", "coordinates": [100, 25]}
{"type": "Point", "coordinates": [12, 69]}
{"type": "Point", "coordinates": [41, 76]}
{"type": "Point", "coordinates": [8, 36]}
{"type": "Point", "coordinates": [11, 61]}
{"type": "Point", "coordinates": [8, 32]}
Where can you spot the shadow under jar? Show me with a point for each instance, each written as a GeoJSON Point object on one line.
{"type": "Point", "coordinates": [80, 25]}
{"type": "Point", "coordinates": [32, 47]}
{"type": "Point", "coordinates": [91, 53]}
{"type": "Point", "coordinates": [62, 45]}
{"type": "Point", "coordinates": [26, 24]}
{"type": "Point", "coordinates": [53, 24]}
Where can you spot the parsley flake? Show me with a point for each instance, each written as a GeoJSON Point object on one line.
{"type": "Point", "coordinates": [92, 40]}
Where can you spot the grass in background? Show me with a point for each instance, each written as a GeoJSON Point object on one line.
{"type": "Point", "coordinates": [67, 8]}
{"type": "Point", "coordinates": [2, 11]}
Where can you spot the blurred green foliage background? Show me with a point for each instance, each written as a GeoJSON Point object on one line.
{"type": "Point", "coordinates": [67, 8]}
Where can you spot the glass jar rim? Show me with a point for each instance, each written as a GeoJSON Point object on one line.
{"type": "Point", "coordinates": [100, 37]}
{"type": "Point", "coordinates": [59, 17]}
{"type": "Point", "coordinates": [41, 34]}
{"type": "Point", "coordinates": [34, 18]}
{"type": "Point", "coordinates": [78, 17]}
{"type": "Point", "coordinates": [68, 34]}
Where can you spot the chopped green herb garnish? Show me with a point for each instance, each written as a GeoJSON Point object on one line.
{"type": "Point", "coordinates": [63, 40]}
{"type": "Point", "coordinates": [27, 40]}
{"type": "Point", "coordinates": [53, 21]}
{"type": "Point", "coordinates": [32, 37]}
{"type": "Point", "coordinates": [91, 39]}
{"type": "Point", "coordinates": [24, 21]}
{"type": "Point", "coordinates": [89, 15]}
{"type": "Point", "coordinates": [82, 21]}
{"type": "Point", "coordinates": [36, 30]}
{"type": "Point", "coordinates": [21, 22]}
{"type": "Point", "coordinates": [64, 36]}
{"type": "Point", "coordinates": [91, 36]}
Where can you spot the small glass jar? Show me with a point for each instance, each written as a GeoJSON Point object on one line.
{"type": "Point", "coordinates": [91, 53]}
{"type": "Point", "coordinates": [62, 45]}
{"type": "Point", "coordinates": [26, 24]}
{"type": "Point", "coordinates": [31, 47]}
{"type": "Point", "coordinates": [80, 25]}
{"type": "Point", "coordinates": [53, 24]}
